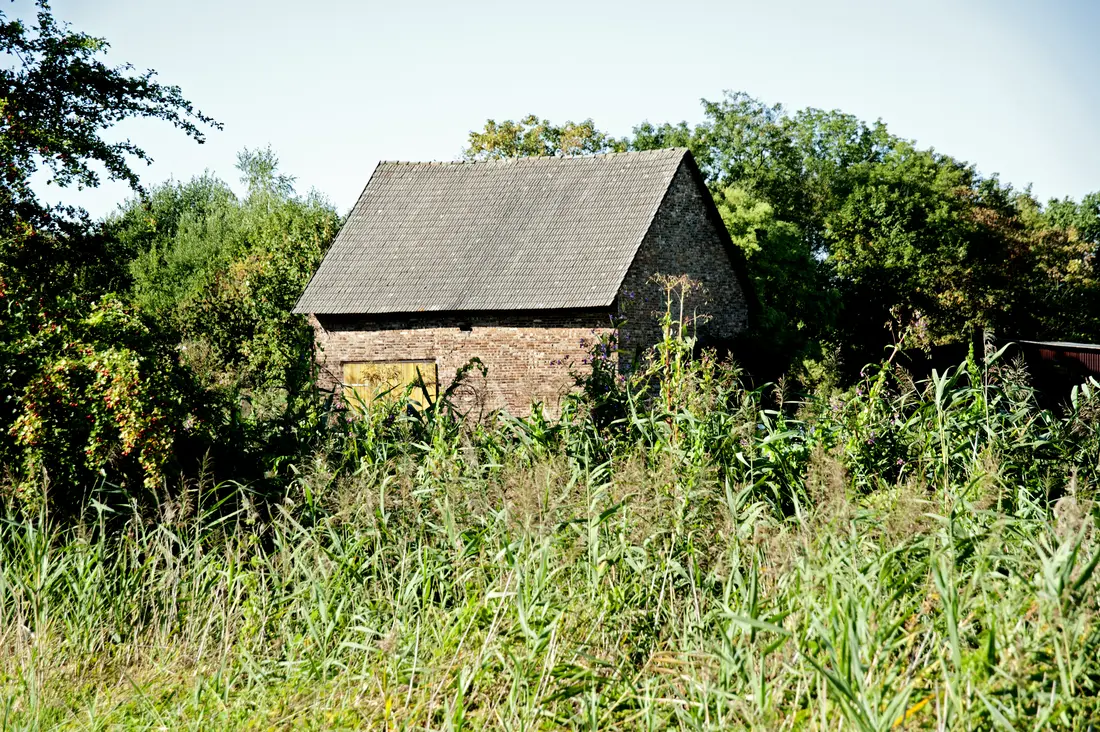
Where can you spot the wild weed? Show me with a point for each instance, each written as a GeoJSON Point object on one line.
{"type": "Point", "coordinates": [711, 558]}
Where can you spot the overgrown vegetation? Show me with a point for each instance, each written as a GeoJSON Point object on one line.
{"type": "Point", "coordinates": [188, 355]}
{"type": "Point", "coordinates": [890, 556]}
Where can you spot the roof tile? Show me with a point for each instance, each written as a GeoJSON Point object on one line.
{"type": "Point", "coordinates": [527, 233]}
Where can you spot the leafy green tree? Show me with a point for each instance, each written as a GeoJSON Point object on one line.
{"type": "Point", "coordinates": [106, 398]}
{"type": "Point", "coordinates": [59, 99]}
{"type": "Point", "coordinates": [922, 240]}
{"type": "Point", "coordinates": [87, 385]}
{"type": "Point", "coordinates": [648, 136]}
{"type": "Point", "coordinates": [790, 282]}
{"type": "Point", "coordinates": [532, 137]}
{"type": "Point", "coordinates": [800, 165]}
{"type": "Point", "coordinates": [174, 236]}
{"type": "Point", "coordinates": [1083, 218]}
{"type": "Point", "coordinates": [225, 274]}
{"type": "Point", "coordinates": [1066, 237]}
{"type": "Point", "coordinates": [751, 146]}
{"type": "Point", "coordinates": [833, 148]}
{"type": "Point", "coordinates": [900, 242]}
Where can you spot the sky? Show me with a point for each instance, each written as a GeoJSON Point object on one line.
{"type": "Point", "coordinates": [334, 86]}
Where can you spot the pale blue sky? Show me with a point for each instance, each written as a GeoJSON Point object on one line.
{"type": "Point", "coordinates": [334, 86]}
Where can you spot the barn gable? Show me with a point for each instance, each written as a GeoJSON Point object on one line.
{"type": "Point", "coordinates": [687, 238]}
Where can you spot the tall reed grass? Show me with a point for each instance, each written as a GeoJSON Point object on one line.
{"type": "Point", "coordinates": [675, 551]}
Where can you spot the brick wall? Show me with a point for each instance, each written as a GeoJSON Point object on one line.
{"type": "Point", "coordinates": [684, 240]}
{"type": "Point", "coordinates": [530, 356]}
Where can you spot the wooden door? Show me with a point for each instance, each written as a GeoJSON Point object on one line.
{"type": "Point", "coordinates": [366, 381]}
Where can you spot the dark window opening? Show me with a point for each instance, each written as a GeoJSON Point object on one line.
{"type": "Point", "coordinates": [465, 327]}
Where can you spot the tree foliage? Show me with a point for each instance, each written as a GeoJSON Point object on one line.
{"type": "Point", "coordinates": [789, 281]}
{"type": "Point", "coordinates": [89, 386]}
{"type": "Point", "coordinates": [855, 236]}
{"type": "Point", "coordinates": [531, 136]}
{"type": "Point", "coordinates": [105, 397]}
{"type": "Point", "coordinates": [224, 273]}
{"type": "Point", "coordinates": [196, 356]}
{"type": "Point", "coordinates": [1082, 219]}
{"type": "Point", "coordinates": [59, 99]}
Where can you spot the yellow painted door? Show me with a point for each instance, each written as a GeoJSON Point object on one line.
{"type": "Point", "coordinates": [366, 381]}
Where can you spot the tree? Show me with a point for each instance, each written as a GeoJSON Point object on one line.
{"type": "Point", "coordinates": [791, 283]}
{"type": "Point", "coordinates": [798, 164]}
{"type": "Point", "coordinates": [920, 238]}
{"type": "Point", "coordinates": [1082, 218]}
{"type": "Point", "coordinates": [88, 384]}
{"type": "Point", "coordinates": [58, 100]}
{"type": "Point", "coordinates": [1066, 237]}
{"type": "Point", "coordinates": [648, 136]}
{"type": "Point", "coordinates": [532, 137]}
{"type": "Point", "coordinates": [225, 273]}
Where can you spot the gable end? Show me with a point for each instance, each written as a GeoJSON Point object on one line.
{"type": "Point", "coordinates": [686, 238]}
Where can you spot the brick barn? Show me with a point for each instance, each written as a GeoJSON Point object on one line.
{"type": "Point", "coordinates": [523, 263]}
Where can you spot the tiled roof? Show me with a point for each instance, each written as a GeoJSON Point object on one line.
{"type": "Point", "coordinates": [528, 233]}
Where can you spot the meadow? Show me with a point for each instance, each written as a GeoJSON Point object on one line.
{"type": "Point", "coordinates": [675, 551]}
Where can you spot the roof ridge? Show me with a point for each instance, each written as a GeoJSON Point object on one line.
{"type": "Point", "coordinates": [656, 152]}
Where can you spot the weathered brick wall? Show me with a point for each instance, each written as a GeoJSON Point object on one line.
{"type": "Point", "coordinates": [682, 241]}
{"type": "Point", "coordinates": [530, 356]}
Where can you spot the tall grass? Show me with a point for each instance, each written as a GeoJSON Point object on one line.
{"type": "Point", "coordinates": [674, 552]}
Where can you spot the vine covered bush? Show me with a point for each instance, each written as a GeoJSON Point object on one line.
{"type": "Point", "coordinates": [111, 394]}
